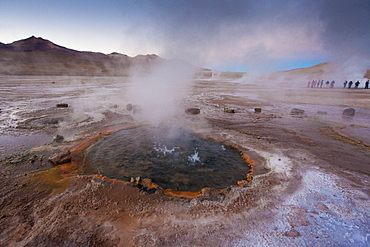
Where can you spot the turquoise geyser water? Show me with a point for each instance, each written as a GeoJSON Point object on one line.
{"type": "Point", "coordinates": [179, 160]}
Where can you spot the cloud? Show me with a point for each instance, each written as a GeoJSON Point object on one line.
{"type": "Point", "coordinates": [254, 34]}
{"type": "Point", "coordinates": [346, 28]}
{"type": "Point", "coordinates": [257, 34]}
{"type": "Point", "coordinates": [347, 36]}
{"type": "Point", "coordinates": [215, 33]}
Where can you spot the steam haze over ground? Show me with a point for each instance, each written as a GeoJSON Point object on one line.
{"type": "Point", "coordinates": [251, 36]}
{"type": "Point", "coordinates": [160, 92]}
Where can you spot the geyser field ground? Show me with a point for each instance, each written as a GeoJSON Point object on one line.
{"type": "Point", "coordinates": [312, 190]}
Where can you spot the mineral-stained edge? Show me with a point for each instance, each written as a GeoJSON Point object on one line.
{"type": "Point", "coordinates": [146, 182]}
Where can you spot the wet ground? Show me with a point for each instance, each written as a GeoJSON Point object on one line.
{"type": "Point", "coordinates": [310, 185]}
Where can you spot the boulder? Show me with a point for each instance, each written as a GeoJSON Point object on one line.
{"type": "Point", "coordinates": [348, 112]}
{"type": "Point", "coordinates": [58, 138]}
{"type": "Point", "coordinates": [297, 111]}
{"type": "Point", "coordinates": [62, 105]}
{"type": "Point", "coordinates": [227, 110]}
{"type": "Point", "coordinates": [61, 158]}
{"type": "Point", "coordinates": [257, 109]}
{"type": "Point", "coordinates": [134, 108]}
{"type": "Point", "coordinates": [129, 107]}
{"type": "Point", "coordinates": [192, 111]}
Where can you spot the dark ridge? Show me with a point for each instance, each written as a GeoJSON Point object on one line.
{"type": "Point", "coordinates": [38, 56]}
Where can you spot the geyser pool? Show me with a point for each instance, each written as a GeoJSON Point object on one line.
{"type": "Point", "coordinates": [178, 160]}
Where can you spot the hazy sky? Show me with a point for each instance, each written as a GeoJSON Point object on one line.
{"type": "Point", "coordinates": [237, 35]}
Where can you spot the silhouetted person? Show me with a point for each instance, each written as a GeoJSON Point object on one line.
{"type": "Point", "coordinates": [367, 84]}
{"type": "Point", "coordinates": [350, 84]}
{"type": "Point", "coordinates": [332, 84]}
{"type": "Point", "coordinates": [345, 84]}
{"type": "Point", "coordinates": [322, 82]}
{"type": "Point", "coordinates": [327, 83]}
{"type": "Point", "coordinates": [356, 84]}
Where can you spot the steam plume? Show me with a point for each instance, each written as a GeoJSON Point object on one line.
{"type": "Point", "coordinates": [160, 92]}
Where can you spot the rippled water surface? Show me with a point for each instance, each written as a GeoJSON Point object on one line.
{"type": "Point", "coordinates": [179, 159]}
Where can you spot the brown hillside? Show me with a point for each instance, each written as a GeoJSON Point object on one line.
{"type": "Point", "coordinates": [37, 56]}
{"type": "Point", "coordinates": [318, 71]}
{"type": "Point", "coordinates": [367, 75]}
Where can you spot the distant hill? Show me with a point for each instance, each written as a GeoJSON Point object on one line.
{"type": "Point", "coordinates": [314, 72]}
{"type": "Point", "coordinates": [321, 71]}
{"type": "Point", "coordinates": [38, 56]}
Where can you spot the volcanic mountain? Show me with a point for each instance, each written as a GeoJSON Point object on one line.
{"type": "Point", "coordinates": [38, 56]}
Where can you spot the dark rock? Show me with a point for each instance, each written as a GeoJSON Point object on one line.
{"type": "Point", "coordinates": [58, 138]}
{"type": "Point", "coordinates": [134, 108]}
{"type": "Point", "coordinates": [33, 159]}
{"type": "Point", "coordinates": [129, 107]}
{"type": "Point", "coordinates": [348, 112]}
{"type": "Point", "coordinates": [227, 110]}
{"type": "Point", "coordinates": [297, 111]}
{"type": "Point", "coordinates": [62, 105]}
{"type": "Point", "coordinates": [192, 111]}
{"type": "Point", "coordinates": [61, 158]}
{"type": "Point", "coordinates": [257, 109]}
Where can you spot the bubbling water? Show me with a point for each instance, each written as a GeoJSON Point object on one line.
{"type": "Point", "coordinates": [194, 158]}
{"type": "Point", "coordinates": [184, 161]}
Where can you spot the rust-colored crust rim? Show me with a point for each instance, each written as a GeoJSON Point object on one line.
{"type": "Point", "coordinates": [146, 182]}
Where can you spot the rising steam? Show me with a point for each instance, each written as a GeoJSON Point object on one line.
{"type": "Point", "coordinates": [158, 94]}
